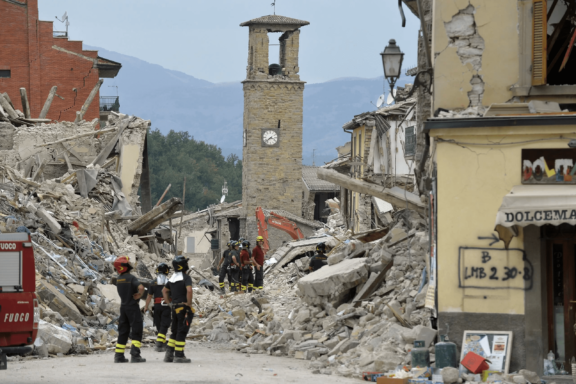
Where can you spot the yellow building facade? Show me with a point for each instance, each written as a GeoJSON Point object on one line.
{"type": "Point", "coordinates": [497, 62]}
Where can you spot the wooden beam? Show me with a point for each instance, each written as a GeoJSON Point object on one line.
{"type": "Point", "coordinates": [369, 189]}
{"type": "Point", "coordinates": [25, 104]}
{"type": "Point", "coordinates": [7, 107]}
{"type": "Point", "coordinates": [88, 101]}
{"type": "Point", "coordinates": [48, 102]}
{"type": "Point", "coordinates": [77, 137]}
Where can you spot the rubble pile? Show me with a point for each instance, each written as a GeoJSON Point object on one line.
{"type": "Point", "coordinates": [362, 312]}
{"type": "Point", "coordinates": [79, 223]}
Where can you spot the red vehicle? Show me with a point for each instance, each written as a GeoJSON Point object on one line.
{"type": "Point", "coordinates": [19, 312]}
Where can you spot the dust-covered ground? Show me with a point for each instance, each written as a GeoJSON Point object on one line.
{"type": "Point", "coordinates": [210, 364]}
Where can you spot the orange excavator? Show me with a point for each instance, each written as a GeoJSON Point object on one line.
{"type": "Point", "coordinates": [278, 222]}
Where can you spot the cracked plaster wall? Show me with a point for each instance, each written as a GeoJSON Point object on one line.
{"type": "Point", "coordinates": [475, 46]}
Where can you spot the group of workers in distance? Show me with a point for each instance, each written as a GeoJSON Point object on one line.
{"type": "Point", "coordinates": [173, 297]}
{"type": "Point", "coordinates": [243, 267]}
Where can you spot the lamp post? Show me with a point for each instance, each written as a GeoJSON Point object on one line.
{"type": "Point", "coordinates": [392, 58]}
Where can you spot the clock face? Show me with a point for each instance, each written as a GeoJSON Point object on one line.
{"type": "Point", "coordinates": [270, 137]}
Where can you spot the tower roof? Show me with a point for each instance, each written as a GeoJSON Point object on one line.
{"type": "Point", "coordinates": [275, 19]}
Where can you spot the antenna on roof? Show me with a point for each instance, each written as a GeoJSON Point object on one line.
{"type": "Point", "coordinates": [65, 21]}
{"type": "Point", "coordinates": [274, 5]}
{"type": "Point", "coordinates": [314, 157]}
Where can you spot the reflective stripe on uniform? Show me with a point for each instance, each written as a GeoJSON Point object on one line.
{"type": "Point", "coordinates": [221, 285]}
{"type": "Point", "coordinates": [136, 343]}
{"type": "Point", "coordinates": [161, 338]}
{"type": "Point", "coordinates": [180, 346]}
{"type": "Point", "coordinates": [171, 343]}
{"type": "Point", "coordinates": [120, 348]}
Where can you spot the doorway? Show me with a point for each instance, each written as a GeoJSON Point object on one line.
{"type": "Point", "coordinates": [561, 291]}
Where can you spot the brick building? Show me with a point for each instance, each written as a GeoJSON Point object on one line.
{"type": "Point", "coordinates": [32, 56]}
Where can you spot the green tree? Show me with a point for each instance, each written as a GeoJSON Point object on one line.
{"type": "Point", "coordinates": [177, 154]}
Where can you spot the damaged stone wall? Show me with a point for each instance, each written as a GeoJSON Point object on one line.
{"type": "Point", "coordinates": [475, 48]}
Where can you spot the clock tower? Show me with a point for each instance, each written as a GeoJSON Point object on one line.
{"type": "Point", "coordinates": [272, 137]}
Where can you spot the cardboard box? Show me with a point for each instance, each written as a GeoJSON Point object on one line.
{"type": "Point", "coordinates": [391, 380]}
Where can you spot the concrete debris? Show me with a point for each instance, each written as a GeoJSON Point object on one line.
{"type": "Point", "coordinates": [339, 317]}
{"type": "Point", "coordinates": [78, 211]}
{"type": "Point", "coordinates": [54, 339]}
{"type": "Point", "coordinates": [359, 313]}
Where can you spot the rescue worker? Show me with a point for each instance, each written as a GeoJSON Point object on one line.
{"type": "Point", "coordinates": [178, 291]}
{"type": "Point", "coordinates": [162, 313]}
{"type": "Point", "coordinates": [319, 259]}
{"type": "Point", "coordinates": [130, 291]}
{"type": "Point", "coordinates": [247, 275]}
{"type": "Point", "coordinates": [235, 268]}
{"type": "Point", "coordinates": [224, 267]}
{"type": "Point", "coordinates": [258, 261]}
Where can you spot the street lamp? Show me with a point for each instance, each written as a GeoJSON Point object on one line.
{"type": "Point", "coordinates": [392, 58]}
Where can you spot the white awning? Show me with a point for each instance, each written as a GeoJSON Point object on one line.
{"type": "Point", "coordinates": [538, 205]}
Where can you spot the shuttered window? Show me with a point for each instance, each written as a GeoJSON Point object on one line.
{"type": "Point", "coordinates": [410, 142]}
{"type": "Point", "coordinates": [10, 270]}
{"type": "Point", "coordinates": [539, 39]}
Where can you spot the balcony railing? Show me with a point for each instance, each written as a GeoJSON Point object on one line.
{"type": "Point", "coordinates": [59, 34]}
{"type": "Point", "coordinates": [109, 103]}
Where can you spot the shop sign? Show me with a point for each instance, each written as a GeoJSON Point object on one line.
{"type": "Point", "coordinates": [537, 217]}
{"type": "Point", "coordinates": [549, 166]}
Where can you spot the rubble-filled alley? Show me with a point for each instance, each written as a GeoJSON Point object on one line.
{"type": "Point", "coordinates": [438, 247]}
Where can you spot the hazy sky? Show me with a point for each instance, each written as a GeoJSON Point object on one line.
{"type": "Point", "coordinates": [203, 38]}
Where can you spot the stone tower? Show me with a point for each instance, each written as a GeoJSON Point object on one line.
{"type": "Point", "coordinates": [272, 137]}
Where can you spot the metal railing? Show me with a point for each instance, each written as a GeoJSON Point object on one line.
{"type": "Point", "coordinates": [59, 34]}
{"type": "Point", "coordinates": [110, 103]}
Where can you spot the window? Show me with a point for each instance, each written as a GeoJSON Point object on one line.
{"type": "Point", "coordinates": [5, 73]}
{"type": "Point", "coordinates": [409, 142]}
{"type": "Point", "coordinates": [553, 51]}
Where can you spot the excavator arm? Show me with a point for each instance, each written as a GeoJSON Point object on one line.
{"type": "Point", "coordinates": [278, 222]}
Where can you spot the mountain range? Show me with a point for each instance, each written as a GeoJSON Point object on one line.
{"type": "Point", "coordinates": [213, 112]}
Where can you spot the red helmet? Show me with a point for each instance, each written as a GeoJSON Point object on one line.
{"type": "Point", "coordinates": [122, 264]}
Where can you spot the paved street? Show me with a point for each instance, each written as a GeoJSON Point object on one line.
{"type": "Point", "coordinates": [209, 365]}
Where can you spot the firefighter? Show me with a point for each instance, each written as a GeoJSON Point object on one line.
{"type": "Point", "coordinates": [319, 259]}
{"type": "Point", "coordinates": [235, 271]}
{"type": "Point", "coordinates": [224, 267]}
{"type": "Point", "coordinates": [247, 275]}
{"type": "Point", "coordinates": [258, 261]}
{"type": "Point", "coordinates": [130, 291]}
{"type": "Point", "coordinates": [162, 314]}
{"type": "Point", "coordinates": [178, 289]}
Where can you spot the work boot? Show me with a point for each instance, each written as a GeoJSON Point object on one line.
{"type": "Point", "coordinates": [160, 347]}
{"type": "Point", "coordinates": [119, 358]}
{"type": "Point", "coordinates": [223, 291]}
{"type": "Point", "coordinates": [135, 355]}
{"type": "Point", "coordinates": [137, 359]}
{"type": "Point", "coordinates": [180, 357]}
{"type": "Point", "coordinates": [169, 356]}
